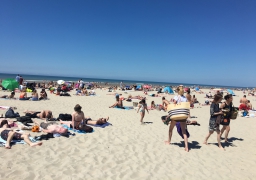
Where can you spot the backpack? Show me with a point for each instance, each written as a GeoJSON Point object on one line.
{"type": "Point", "coordinates": [11, 114]}
{"type": "Point", "coordinates": [24, 119]}
{"type": "Point", "coordinates": [65, 117]}
{"type": "Point", "coordinates": [83, 127]}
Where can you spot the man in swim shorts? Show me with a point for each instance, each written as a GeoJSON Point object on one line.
{"type": "Point", "coordinates": [51, 127]}
{"type": "Point", "coordinates": [44, 114]}
{"type": "Point", "coordinates": [8, 135]}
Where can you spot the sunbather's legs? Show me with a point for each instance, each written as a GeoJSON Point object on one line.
{"type": "Point", "coordinates": [9, 139]}
{"type": "Point", "coordinates": [28, 141]}
{"type": "Point", "coordinates": [65, 122]}
{"type": "Point", "coordinates": [100, 121]}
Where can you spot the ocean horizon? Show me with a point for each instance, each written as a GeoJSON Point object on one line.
{"type": "Point", "coordinates": [30, 77]}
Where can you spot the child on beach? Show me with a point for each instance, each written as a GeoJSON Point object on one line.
{"type": "Point", "coordinates": [142, 108]}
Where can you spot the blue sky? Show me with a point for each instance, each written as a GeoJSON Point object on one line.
{"type": "Point", "coordinates": [197, 42]}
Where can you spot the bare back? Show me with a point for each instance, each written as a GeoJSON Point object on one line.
{"type": "Point", "coordinates": [77, 118]}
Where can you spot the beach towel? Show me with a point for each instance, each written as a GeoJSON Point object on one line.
{"type": "Point", "coordinates": [77, 131]}
{"type": "Point", "coordinates": [3, 142]}
{"type": "Point", "coordinates": [125, 108]}
{"type": "Point", "coordinates": [4, 107]}
{"type": "Point", "coordinates": [101, 126]}
{"type": "Point", "coordinates": [180, 131]}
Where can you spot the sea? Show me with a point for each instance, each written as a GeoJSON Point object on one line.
{"type": "Point", "coordinates": [44, 78]}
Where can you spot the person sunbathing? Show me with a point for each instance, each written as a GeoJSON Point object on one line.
{"type": "Point", "coordinates": [52, 127]}
{"type": "Point", "coordinates": [165, 103]}
{"type": "Point", "coordinates": [44, 114]}
{"type": "Point", "coordinates": [11, 96]}
{"type": "Point", "coordinates": [78, 119]}
{"type": "Point", "coordinates": [118, 103]}
{"type": "Point", "coordinates": [8, 135]}
{"type": "Point", "coordinates": [43, 94]}
{"type": "Point", "coordinates": [23, 95]}
{"type": "Point", "coordinates": [89, 121]}
{"type": "Point", "coordinates": [34, 96]}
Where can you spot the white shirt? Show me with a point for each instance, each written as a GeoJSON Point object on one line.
{"type": "Point", "coordinates": [179, 99]}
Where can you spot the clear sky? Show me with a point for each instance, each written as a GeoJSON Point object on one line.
{"type": "Point", "coordinates": [187, 41]}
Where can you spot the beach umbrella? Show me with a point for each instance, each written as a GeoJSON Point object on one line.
{"type": "Point", "coordinates": [147, 86]}
{"type": "Point", "coordinates": [60, 81]}
{"type": "Point", "coordinates": [10, 84]}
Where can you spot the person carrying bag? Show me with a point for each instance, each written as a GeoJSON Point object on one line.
{"type": "Point", "coordinates": [179, 112]}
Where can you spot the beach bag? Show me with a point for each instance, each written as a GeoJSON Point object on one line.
{"type": "Point", "coordinates": [11, 114]}
{"type": "Point", "coordinates": [233, 113]}
{"type": "Point", "coordinates": [83, 127]}
{"type": "Point", "coordinates": [179, 111]}
{"type": "Point", "coordinates": [65, 117]}
{"type": "Point", "coordinates": [24, 119]}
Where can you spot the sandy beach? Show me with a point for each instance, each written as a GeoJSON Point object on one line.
{"type": "Point", "coordinates": [127, 149]}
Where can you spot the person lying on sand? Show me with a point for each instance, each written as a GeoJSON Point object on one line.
{"type": "Point", "coordinates": [51, 127]}
{"type": "Point", "coordinates": [44, 114]}
{"type": "Point", "coordinates": [8, 135]}
{"type": "Point", "coordinates": [11, 96]}
{"type": "Point", "coordinates": [79, 119]}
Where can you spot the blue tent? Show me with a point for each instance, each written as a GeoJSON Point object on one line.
{"type": "Point", "coordinates": [138, 87]}
{"type": "Point", "coordinates": [169, 90]}
{"type": "Point", "coordinates": [231, 92]}
{"type": "Point", "coordinates": [197, 88]}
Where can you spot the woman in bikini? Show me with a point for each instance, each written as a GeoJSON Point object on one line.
{"type": "Point", "coordinates": [23, 95]}
{"type": "Point", "coordinates": [142, 108]}
{"type": "Point", "coordinates": [10, 96]}
{"type": "Point", "coordinates": [79, 119]}
{"type": "Point", "coordinates": [34, 96]}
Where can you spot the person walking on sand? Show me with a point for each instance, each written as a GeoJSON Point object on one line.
{"type": "Point", "coordinates": [227, 105]}
{"type": "Point", "coordinates": [178, 99]}
{"type": "Point", "coordinates": [214, 122]}
{"type": "Point", "coordinates": [142, 107]}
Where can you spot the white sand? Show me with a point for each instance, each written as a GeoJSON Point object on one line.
{"type": "Point", "coordinates": [128, 150]}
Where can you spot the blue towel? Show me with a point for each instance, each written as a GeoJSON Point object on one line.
{"type": "Point", "coordinates": [71, 129]}
{"type": "Point", "coordinates": [101, 126]}
{"type": "Point", "coordinates": [3, 142]}
{"type": "Point", "coordinates": [125, 108]}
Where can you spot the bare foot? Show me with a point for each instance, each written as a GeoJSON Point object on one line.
{"type": "Point", "coordinates": [7, 146]}
{"type": "Point", "coordinates": [205, 143]}
{"type": "Point", "coordinates": [36, 144]}
{"type": "Point", "coordinates": [222, 148]}
{"type": "Point", "coordinates": [186, 149]}
{"type": "Point", "coordinates": [167, 142]}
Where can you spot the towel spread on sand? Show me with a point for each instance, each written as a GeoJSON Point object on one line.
{"type": "Point", "coordinates": [71, 129]}
{"type": "Point", "coordinates": [3, 142]}
{"type": "Point", "coordinates": [125, 108]}
{"type": "Point", "coordinates": [101, 126]}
